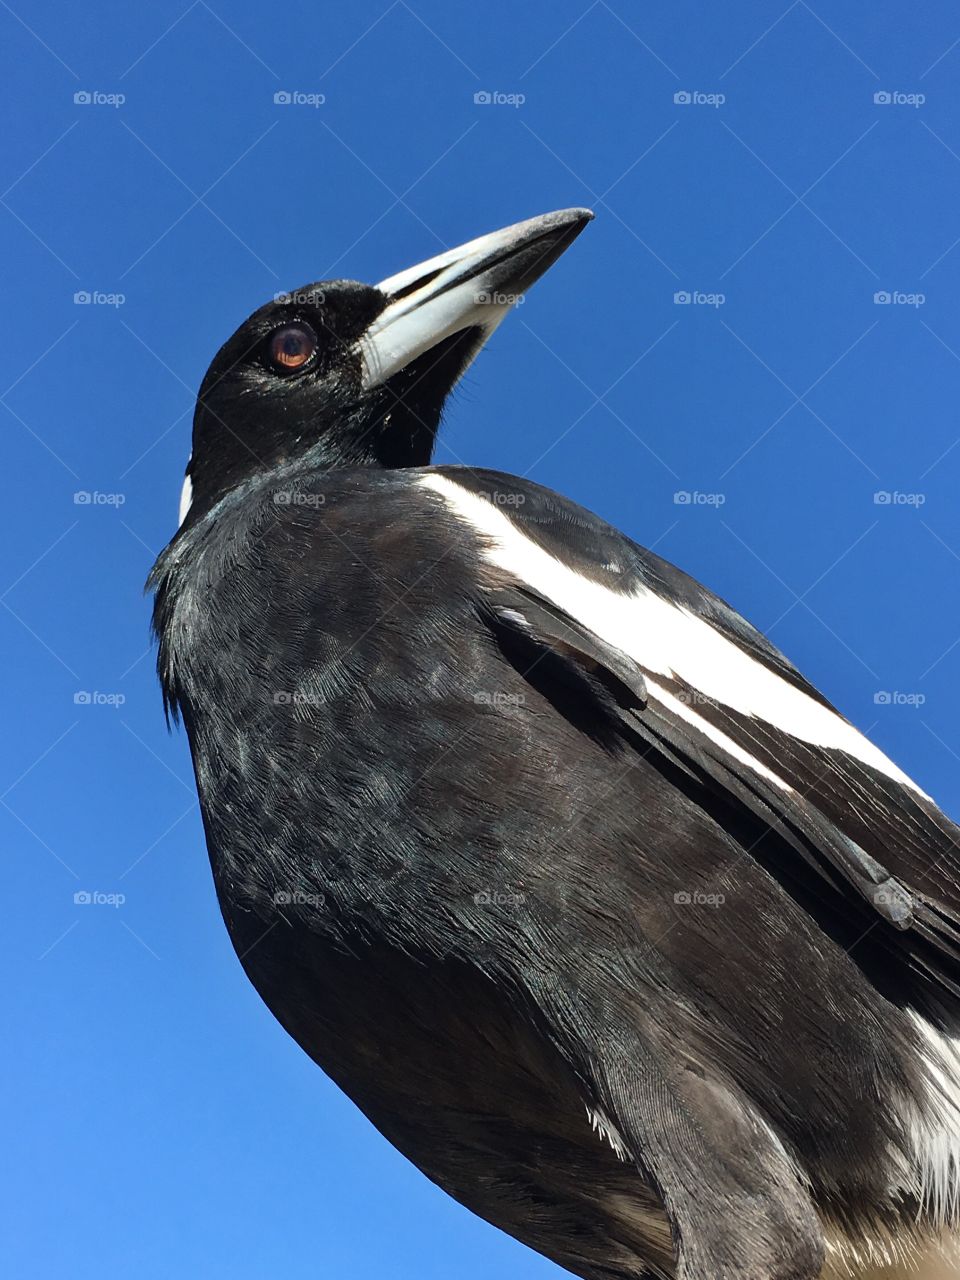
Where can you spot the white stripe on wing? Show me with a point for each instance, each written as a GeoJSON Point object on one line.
{"type": "Point", "coordinates": [662, 637]}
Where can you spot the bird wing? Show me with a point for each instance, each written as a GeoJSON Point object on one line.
{"type": "Point", "coordinates": [700, 688]}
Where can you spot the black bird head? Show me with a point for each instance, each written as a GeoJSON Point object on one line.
{"type": "Point", "coordinates": [348, 374]}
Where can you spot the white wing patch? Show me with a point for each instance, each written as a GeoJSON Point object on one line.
{"type": "Point", "coordinates": [936, 1135]}
{"type": "Point", "coordinates": [666, 639]}
{"type": "Point", "coordinates": [684, 712]}
{"type": "Point", "coordinates": [607, 1131]}
{"type": "Point", "coordinates": [186, 498]}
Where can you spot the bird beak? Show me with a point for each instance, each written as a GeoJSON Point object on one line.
{"type": "Point", "coordinates": [471, 287]}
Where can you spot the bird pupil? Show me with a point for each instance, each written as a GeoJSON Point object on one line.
{"type": "Point", "coordinates": [292, 347]}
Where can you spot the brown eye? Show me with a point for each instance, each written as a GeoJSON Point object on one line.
{"type": "Point", "coordinates": [292, 347]}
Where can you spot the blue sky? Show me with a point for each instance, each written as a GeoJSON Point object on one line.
{"type": "Point", "coordinates": [159, 1122]}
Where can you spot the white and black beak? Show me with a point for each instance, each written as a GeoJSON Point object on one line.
{"type": "Point", "coordinates": [471, 287]}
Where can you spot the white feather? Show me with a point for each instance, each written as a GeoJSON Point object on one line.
{"type": "Point", "coordinates": [936, 1133]}
{"type": "Point", "coordinates": [186, 498]}
{"type": "Point", "coordinates": [662, 637]}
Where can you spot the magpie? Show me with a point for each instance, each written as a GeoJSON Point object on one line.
{"type": "Point", "coordinates": [595, 907]}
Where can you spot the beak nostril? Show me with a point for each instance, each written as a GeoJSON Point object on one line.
{"type": "Point", "coordinates": [414, 285]}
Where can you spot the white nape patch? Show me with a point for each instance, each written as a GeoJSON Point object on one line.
{"type": "Point", "coordinates": [607, 1131]}
{"type": "Point", "coordinates": [684, 712]}
{"type": "Point", "coordinates": [663, 637]}
{"type": "Point", "coordinates": [936, 1134]}
{"type": "Point", "coordinates": [186, 498]}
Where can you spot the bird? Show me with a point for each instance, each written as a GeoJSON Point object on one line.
{"type": "Point", "coordinates": [600, 912]}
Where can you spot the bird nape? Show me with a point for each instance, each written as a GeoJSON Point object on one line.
{"type": "Point", "coordinates": [472, 765]}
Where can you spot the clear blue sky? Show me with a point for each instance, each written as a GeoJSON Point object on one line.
{"type": "Point", "coordinates": [159, 1123]}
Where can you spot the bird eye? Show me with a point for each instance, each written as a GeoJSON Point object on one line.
{"type": "Point", "coordinates": [292, 346]}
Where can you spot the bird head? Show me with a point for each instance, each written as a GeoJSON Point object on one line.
{"type": "Point", "coordinates": [348, 374]}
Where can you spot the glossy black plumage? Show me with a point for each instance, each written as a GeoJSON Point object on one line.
{"type": "Point", "coordinates": [452, 827]}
